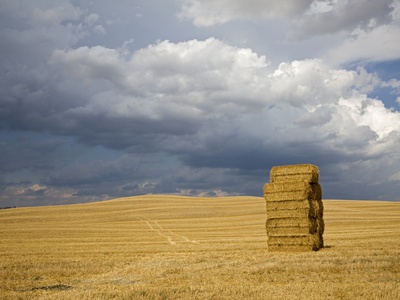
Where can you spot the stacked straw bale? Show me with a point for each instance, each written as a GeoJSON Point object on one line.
{"type": "Point", "coordinates": [294, 209]}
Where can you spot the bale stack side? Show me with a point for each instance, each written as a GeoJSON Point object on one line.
{"type": "Point", "coordinates": [294, 209]}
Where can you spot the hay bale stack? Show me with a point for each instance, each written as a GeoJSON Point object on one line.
{"type": "Point", "coordinates": [294, 209]}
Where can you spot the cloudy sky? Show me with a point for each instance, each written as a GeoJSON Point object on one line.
{"type": "Point", "coordinates": [104, 99]}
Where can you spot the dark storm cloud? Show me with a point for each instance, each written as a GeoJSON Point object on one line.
{"type": "Point", "coordinates": [98, 171]}
{"type": "Point", "coordinates": [29, 152]}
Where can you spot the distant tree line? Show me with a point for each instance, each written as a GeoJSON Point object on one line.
{"type": "Point", "coordinates": [8, 207]}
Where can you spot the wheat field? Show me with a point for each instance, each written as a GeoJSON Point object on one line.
{"type": "Point", "coordinates": [171, 247]}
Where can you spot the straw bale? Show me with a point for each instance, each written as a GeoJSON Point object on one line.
{"type": "Point", "coordinates": [317, 191]}
{"type": "Point", "coordinates": [290, 222]}
{"type": "Point", "coordinates": [290, 231]}
{"type": "Point", "coordinates": [287, 187]}
{"type": "Point", "coordinates": [301, 172]}
{"type": "Point", "coordinates": [289, 213]}
{"type": "Point", "coordinates": [287, 196]}
{"type": "Point", "coordinates": [317, 208]}
{"type": "Point", "coordinates": [294, 209]}
{"type": "Point", "coordinates": [320, 225]}
{"type": "Point", "coordinates": [313, 190]}
{"type": "Point", "coordinates": [287, 193]}
{"type": "Point", "coordinates": [289, 205]}
{"type": "Point", "coordinates": [290, 226]}
{"type": "Point", "coordinates": [308, 241]}
{"type": "Point", "coordinates": [292, 190]}
{"type": "Point", "coordinates": [320, 210]}
{"type": "Point", "coordinates": [291, 248]}
{"type": "Point", "coordinates": [320, 241]}
{"type": "Point", "coordinates": [290, 240]}
{"type": "Point", "coordinates": [317, 240]}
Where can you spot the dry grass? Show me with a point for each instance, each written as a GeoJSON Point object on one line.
{"type": "Point", "coordinates": [166, 247]}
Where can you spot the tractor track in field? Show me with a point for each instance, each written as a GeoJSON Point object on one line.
{"type": "Point", "coordinates": [171, 237]}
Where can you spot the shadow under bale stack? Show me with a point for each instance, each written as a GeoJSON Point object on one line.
{"type": "Point", "coordinates": [294, 209]}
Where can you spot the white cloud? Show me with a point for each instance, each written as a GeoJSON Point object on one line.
{"type": "Point", "coordinates": [27, 195]}
{"type": "Point", "coordinates": [198, 81]}
{"type": "Point", "coordinates": [206, 78]}
{"type": "Point", "coordinates": [309, 82]}
{"type": "Point", "coordinates": [312, 82]}
{"type": "Point", "coordinates": [193, 77]}
{"type": "Point", "coordinates": [353, 31]}
{"type": "Point", "coordinates": [32, 30]}
{"type": "Point", "coordinates": [394, 84]}
{"type": "Point", "coordinates": [212, 12]}
{"type": "Point", "coordinates": [307, 18]}
{"type": "Point", "coordinates": [395, 177]}
{"type": "Point", "coordinates": [205, 193]}
{"type": "Point", "coordinates": [340, 15]}
{"type": "Point", "coordinates": [374, 36]}
{"type": "Point", "coordinates": [323, 6]}
{"type": "Point", "coordinates": [378, 44]}
{"type": "Point", "coordinates": [92, 19]}
{"type": "Point", "coordinates": [99, 29]}
{"type": "Point", "coordinates": [396, 10]}
{"type": "Point", "coordinates": [372, 113]}
{"type": "Point", "coordinates": [36, 188]}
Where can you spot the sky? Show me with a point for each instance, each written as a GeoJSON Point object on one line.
{"type": "Point", "coordinates": [105, 99]}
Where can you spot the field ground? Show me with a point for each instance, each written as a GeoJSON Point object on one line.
{"type": "Point", "coordinates": [170, 247]}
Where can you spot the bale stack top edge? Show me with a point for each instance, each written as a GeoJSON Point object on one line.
{"type": "Point", "coordinates": [301, 172]}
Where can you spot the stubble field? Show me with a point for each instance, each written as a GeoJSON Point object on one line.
{"type": "Point", "coordinates": [170, 247]}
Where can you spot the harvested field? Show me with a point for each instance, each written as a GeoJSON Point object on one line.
{"type": "Point", "coordinates": [169, 247]}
